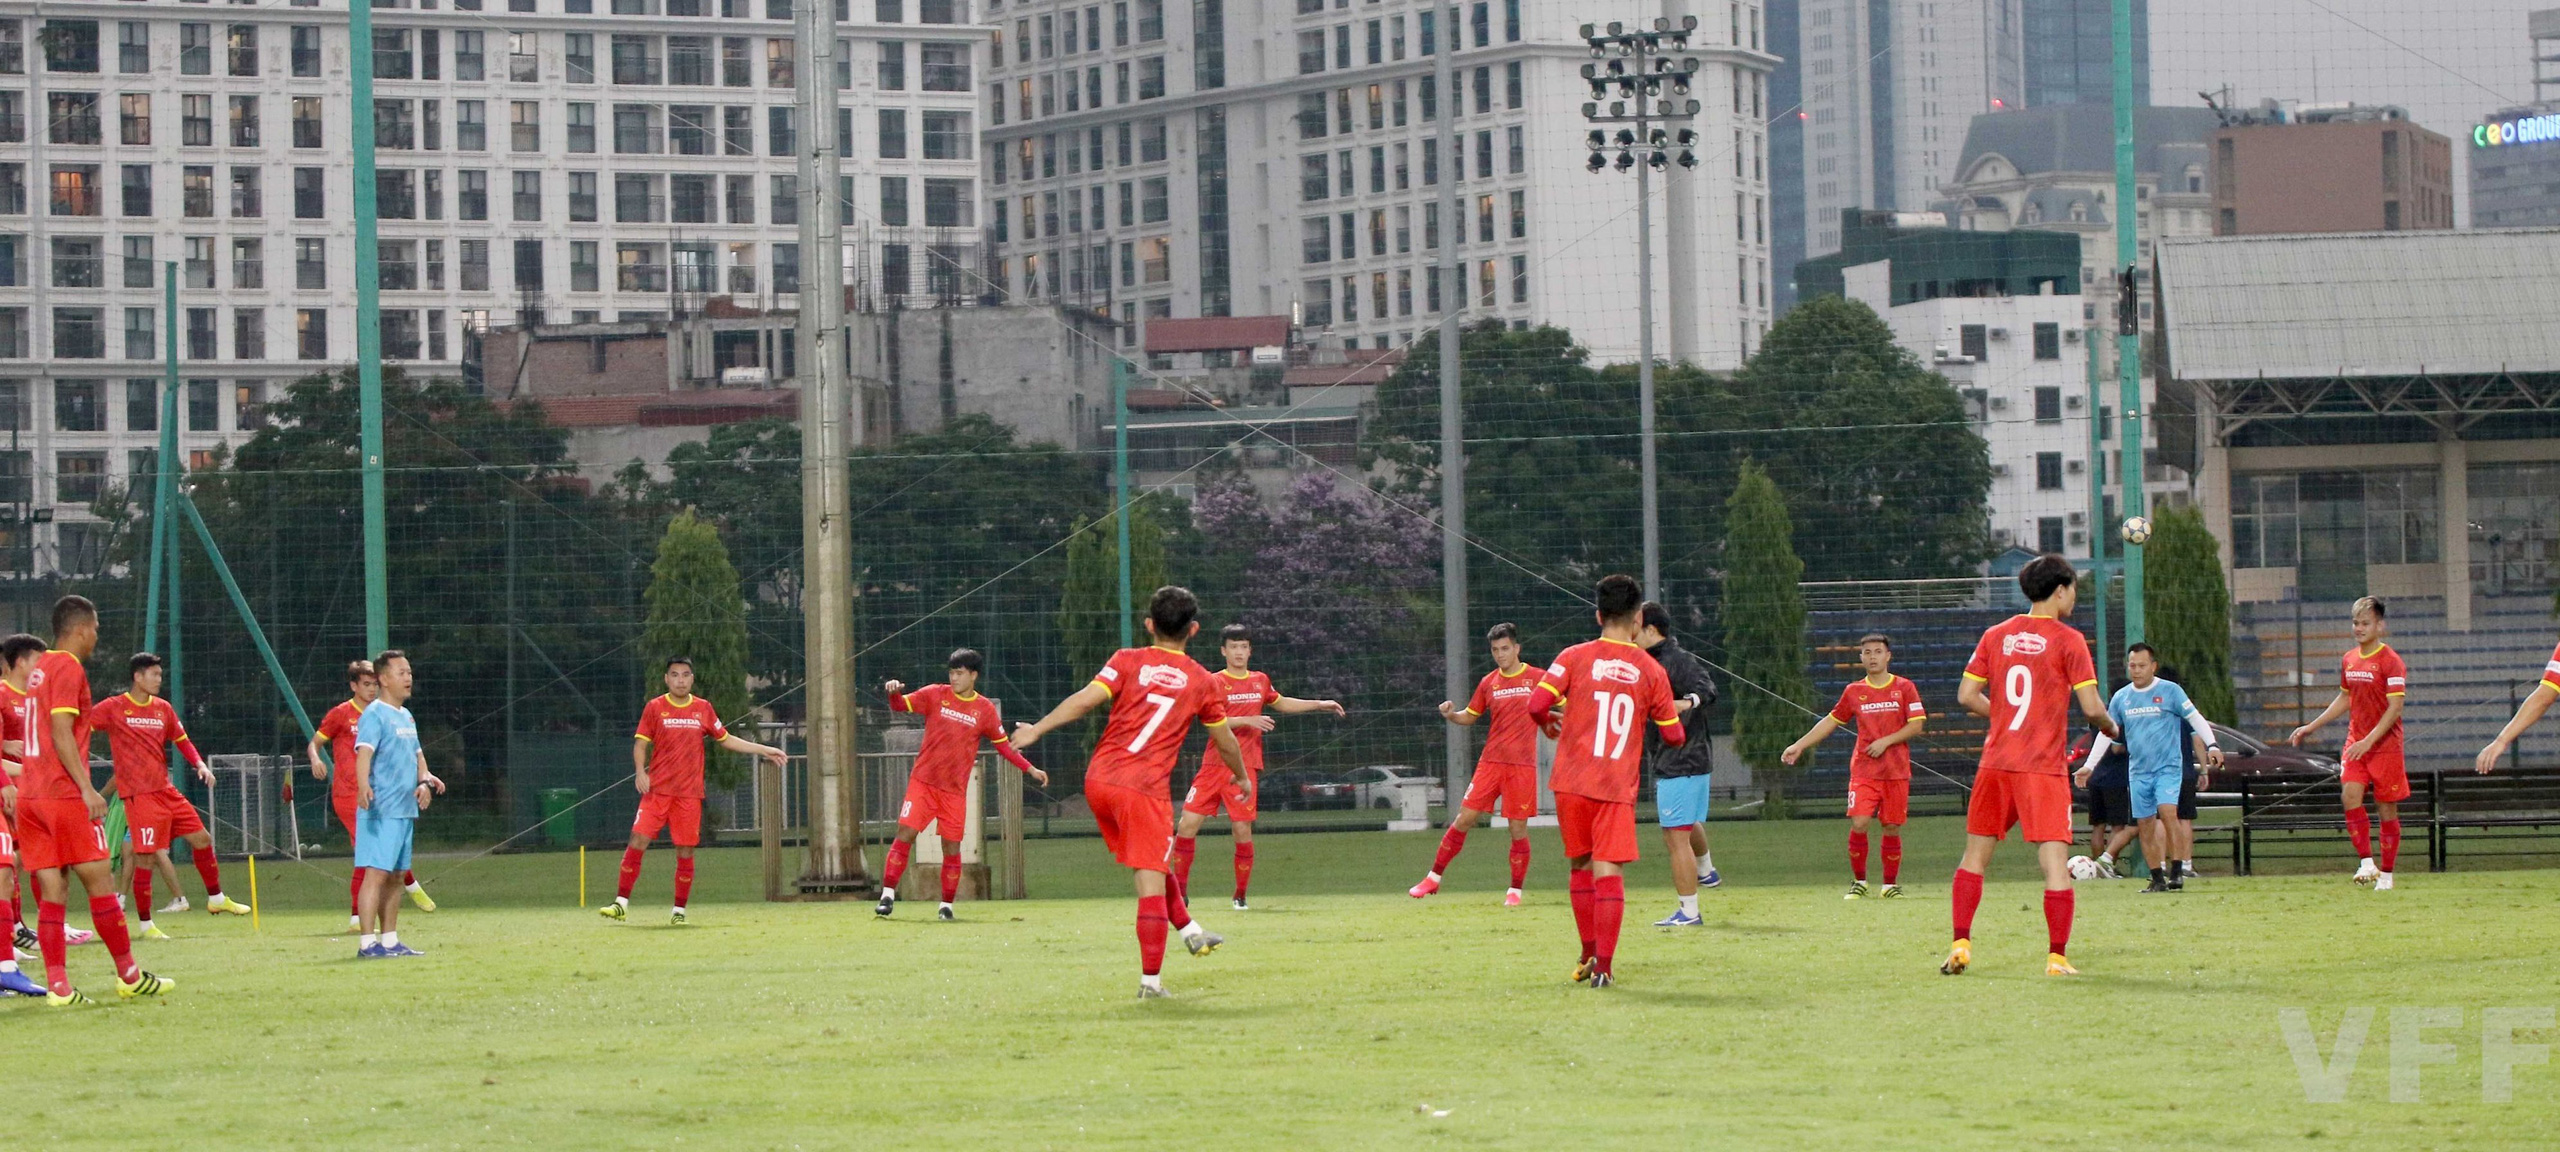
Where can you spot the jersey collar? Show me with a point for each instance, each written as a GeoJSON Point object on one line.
{"type": "Point", "coordinates": [670, 698]}
{"type": "Point", "coordinates": [964, 696]}
{"type": "Point", "coordinates": [1524, 667]}
{"type": "Point", "coordinates": [1247, 674]}
{"type": "Point", "coordinates": [2378, 650]}
{"type": "Point", "coordinates": [1870, 681]}
{"type": "Point", "coordinates": [129, 698]}
{"type": "Point", "coordinates": [1628, 643]}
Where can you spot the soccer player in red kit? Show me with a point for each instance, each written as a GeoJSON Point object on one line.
{"type": "Point", "coordinates": [1607, 686]}
{"type": "Point", "coordinates": [1507, 769]}
{"type": "Point", "coordinates": [2024, 675]}
{"type": "Point", "coordinates": [666, 769]}
{"type": "Point", "coordinates": [2372, 686]}
{"type": "Point", "coordinates": [140, 726]}
{"type": "Point", "coordinates": [2527, 715]}
{"type": "Point", "coordinates": [337, 735]}
{"type": "Point", "coordinates": [1217, 785]}
{"type": "Point", "coordinates": [13, 724]}
{"type": "Point", "coordinates": [1155, 693]}
{"type": "Point", "coordinates": [956, 719]}
{"type": "Point", "coordinates": [59, 810]}
{"type": "Point", "coordinates": [1884, 711]}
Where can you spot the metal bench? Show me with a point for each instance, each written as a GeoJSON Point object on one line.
{"type": "Point", "coordinates": [2505, 805]}
{"type": "Point", "coordinates": [2283, 809]}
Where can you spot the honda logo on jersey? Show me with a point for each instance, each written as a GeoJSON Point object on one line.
{"type": "Point", "coordinates": [1164, 676]}
{"type": "Point", "coordinates": [2021, 644]}
{"type": "Point", "coordinates": [1615, 672]}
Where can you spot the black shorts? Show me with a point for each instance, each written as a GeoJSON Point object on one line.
{"type": "Point", "coordinates": [2187, 796]}
{"type": "Point", "coordinates": [2111, 805]}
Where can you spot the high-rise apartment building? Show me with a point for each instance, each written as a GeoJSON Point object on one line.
{"type": "Point", "coordinates": [2071, 52]}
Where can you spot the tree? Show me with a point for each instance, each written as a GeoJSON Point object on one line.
{"type": "Point", "coordinates": [695, 612]}
{"type": "Point", "coordinates": [1764, 628]}
{"type": "Point", "coordinates": [2187, 610]}
{"type": "Point", "coordinates": [1338, 583]}
{"type": "Point", "coordinates": [1089, 604]}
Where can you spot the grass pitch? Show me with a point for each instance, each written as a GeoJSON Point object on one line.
{"type": "Point", "coordinates": [1341, 1014]}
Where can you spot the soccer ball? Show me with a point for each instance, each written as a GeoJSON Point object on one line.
{"type": "Point", "coordinates": [2137, 529]}
{"type": "Point", "coordinates": [2083, 868]}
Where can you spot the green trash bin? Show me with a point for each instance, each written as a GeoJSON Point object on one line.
{"type": "Point", "coordinates": [559, 829]}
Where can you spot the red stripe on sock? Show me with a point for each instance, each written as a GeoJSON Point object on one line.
{"type": "Point", "coordinates": [1892, 859]}
{"type": "Point", "coordinates": [2390, 843]}
{"type": "Point", "coordinates": [2360, 830]}
{"type": "Point", "coordinates": [1184, 848]}
{"type": "Point", "coordinates": [1519, 862]}
{"type": "Point", "coordinates": [1966, 896]}
{"type": "Point", "coordinates": [208, 870]}
{"type": "Point", "coordinates": [108, 919]}
{"type": "Point", "coordinates": [950, 876]}
{"type": "Point", "coordinates": [684, 880]}
{"type": "Point", "coordinates": [896, 867]}
{"type": "Point", "coordinates": [630, 872]}
{"type": "Point", "coordinates": [1244, 869]}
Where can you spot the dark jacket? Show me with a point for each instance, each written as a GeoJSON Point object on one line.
{"type": "Point", "coordinates": [1688, 678]}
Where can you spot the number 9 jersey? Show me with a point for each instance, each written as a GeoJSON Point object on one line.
{"type": "Point", "coordinates": [1606, 688]}
{"type": "Point", "coordinates": [2030, 666]}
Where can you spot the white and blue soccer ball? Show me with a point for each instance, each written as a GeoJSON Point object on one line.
{"type": "Point", "coordinates": [2137, 530]}
{"type": "Point", "coordinates": [2082, 867]}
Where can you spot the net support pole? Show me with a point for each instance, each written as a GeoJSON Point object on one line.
{"type": "Point", "coordinates": [248, 619]}
{"type": "Point", "coordinates": [2098, 510]}
{"type": "Point", "coordinates": [2130, 467]}
{"type": "Point", "coordinates": [1644, 362]}
{"type": "Point", "coordinates": [1453, 454]}
{"type": "Point", "coordinates": [1120, 480]}
{"type": "Point", "coordinates": [164, 488]}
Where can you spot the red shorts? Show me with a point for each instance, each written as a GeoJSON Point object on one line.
{"type": "Point", "coordinates": [927, 806]}
{"type": "Point", "coordinates": [1888, 801]}
{"type": "Point", "coordinates": [681, 816]}
{"type": "Point", "coordinates": [58, 834]}
{"type": "Point", "coordinates": [157, 819]}
{"type": "Point", "coordinates": [1214, 787]}
{"type": "Point", "coordinates": [2038, 803]}
{"type": "Point", "coordinates": [1515, 786]}
{"type": "Point", "coordinates": [344, 804]}
{"type": "Point", "coordinates": [2384, 774]}
{"type": "Point", "coordinates": [1598, 829]}
{"type": "Point", "coordinates": [8, 852]}
{"type": "Point", "coordinates": [1136, 827]}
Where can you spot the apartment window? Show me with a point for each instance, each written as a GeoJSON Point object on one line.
{"type": "Point", "coordinates": [133, 47]}
{"type": "Point", "coordinates": [142, 414]}
{"type": "Point", "coordinates": [578, 57]}
{"type": "Point", "coordinates": [1151, 78]}
{"type": "Point", "coordinates": [524, 62]}
{"type": "Point", "coordinates": [246, 202]}
{"type": "Point", "coordinates": [946, 67]}
{"type": "Point", "coordinates": [133, 120]}
{"type": "Point", "coordinates": [781, 134]}
{"type": "Point", "coordinates": [72, 118]}
{"type": "Point", "coordinates": [528, 260]}
{"type": "Point", "coordinates": [893, 134]}
{"type": "Point", "coordinates": [395, 124]}
{"type": "Point", "coordinates": [79, 334]}
{"type": "Point", "coordinates": [14, 341]}
{"type": "Point", "coordinates": [778, 63]}
{"type": "Point", "coordinates": [391, 58]}
{"type": "Point", "coordinates": [635, 60]}
{"type": "Point", "coordinates": [475, 265]}
{"type": "Point", "coordinates": [311, 333]}
{"type": "Point", "coordinates": [737, 66]}
{"type": "Point", "coordinates": [310, 264]}
{"type": "Point", "coordinates": [395, 193]}
{"type": "Point", "coordinates": [946, 136]}
{"type": "Point", "coordinates": [79, 477]}
{"type": "Point", "coordinates": [582, 127]}
{"type": "Point", "coordinates": [195, 49]}
{"type": "Point", "coordinates": [248, 338]}
{"type": "Point", "coordinates": [893, 201]}
{"type": "Point", "coordinates": [892, 69]}
{"type": "Point", "coordinates": [307, 128]}
{"type": "Point", "coordinates": [1154, 200]}
{"type": "Point", "coordinates": [783, 205]}
{"type": "Point", "coordinates": [690, 199]}
{"type": "Point", "coordinates": [582, 197]}
{"type": "Point", "coordinates": [632, 200]}
{"type": "Point", "coordinates": [1974, 341]}
{"type": "Point", "coordinates": [309, 203]}
{"type": "Point", "coordinates": [524, 126]}
{"type": "Point", "coordinates": [2048, 405]}
{"type": "Point", "coordinates": [140, 271]}
{"type": "Point", "coordinates": [583, 275]}
{"type": "Point", "coordinates": [1151, 140]}
{"type": "Point", "coordinates": [471, 125]}
{"type": "Point", "coordinates": [2048, 471]}
{"type": "Point", "coordinates": [635, 129]}
{"type": "Point", "coordinates": [204, 406]}
{"type": "Point", "coordinates": [200, 335]}
{"type": "Point", "coordinates": [79, 262]}
{"type": "Point", "coordinates": [689, 129]}
{"type": "Point", "coordinates": [689, 61]}
{"type": "Point", "coordinates": [141, 334]}
{"type": "Point", "coordinates": [242, 49]}
{"type": "Point", "coordinates": [248, 262]}
{"type": "Point", "coordinates": [2048, 341]}
{"type": "Point", "coordinates": [948, 203]}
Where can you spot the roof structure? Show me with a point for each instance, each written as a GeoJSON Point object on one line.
{"type": "Point", "coordinates": [1216, 334]}
{"type": "Point", "coordinates": [2080, 137]}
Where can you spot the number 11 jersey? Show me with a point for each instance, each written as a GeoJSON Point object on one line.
{"type": "Point", "coordinates": [2030, 666]}
{"type": "Point", "coordinates": [1155, 695]}
{"type": "Point", "coordinates": [1605, 688]}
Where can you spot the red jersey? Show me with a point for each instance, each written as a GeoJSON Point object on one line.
{"type": "Point", "coordinates": [953, 725]}
{"type": "Point", "coordinates": [675, 733]}
{"type": "Point", "coordinates": [2031, 666]}
{"type": "Point", "coordinates": [13, 720]}
{"type": "Point", "coordinates": [2551, 671]}
{"type": "Point", "coordinates": [1504, 700]}
{"type": "Point", "coordinates": [1871, 714]}
{"type": "Point", "coordinates": [1604, 685]}
{"type": "Point", "coordinates": [2370, 683]}
{"type": "Point", "coordinates": [138, 736]}
{"type": "Point", "coordinates": [1245, 695]}
{"type": "Point", "coordinates": [59, 684]}
{"type": "Point", "coordinates": [339, 729]}
{"type": "Point", "coordinates": [1155, 695]}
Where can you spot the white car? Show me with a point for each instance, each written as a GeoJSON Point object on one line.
{"type": "Point", "coordinates": [1381, 785]}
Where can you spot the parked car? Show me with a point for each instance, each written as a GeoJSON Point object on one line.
{"type": "Point", "coordinates": [1302, 789]}
{"type": "Point", "coordinates": [1381, 785]}
{"type": "Point", "coordinates": [2242, 754]}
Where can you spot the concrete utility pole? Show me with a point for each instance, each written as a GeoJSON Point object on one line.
{"type": "Point", "coordinates": [827, 434]}
{"type": "Point", "coordinates": [2129, 463]}
{"type": "Point", "coordinates": [1680, 255]}
{"type": "Point", "coordinates": [1453, 446]}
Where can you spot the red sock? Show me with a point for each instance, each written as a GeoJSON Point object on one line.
{"type": "Point", "coordinates": [10, 913]}
{"type": "Point", "coordinates": [2057, 920]}
{"type": "Point", "coordinates": [1892, 858]}
{"type": "Point", "coordinates": [2360, 829]}
{"type": "Point", "coordinates": [896, 867]}
{"type": "Point", "coordinates": [1184, 847]}
{"type": "Point", "coordinates": [57, 973]}
{"type": "Point", "coordinates": [1608, 911]}
{"type": "Point", "coordinates": [1151, 916]}
{"type": "Point", "coordinates": [1580, 889]}
{"type": "Point", "coordinates": [630, 872]}
{"type": "Point", "coordinates": [2390, 843]}
{"type": "Point", "coordinates": [408, 879]}
{"type": "Point", "coordinates": [1858, 855]}
{"type": "Point", "coordinates": [1967, 896]}
{"type": "Point", "coordinates": [1244, 868]}
{"type": "Point", "coordinates": [208, 870]}
{"type": "Point", "coordinates": [142, 888]}
{"type": "Point", "coordinates": [684, 880]}
{"type": "Point", "coordinates": [950, 876]}
{"type": "Point", "coordinates": [1177, 910]}
{"type": "Point", "coordinates": [1519, 862]}
{"type": "Point", "coordinates": [1452, 842]}
{"type": "Point", "coordinates": [109, 921]}
{"type": "Point", "coordinates": [355, 892]}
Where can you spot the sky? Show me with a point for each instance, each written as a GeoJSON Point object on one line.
{"type": "Point", "coordinates": [2449, 62]}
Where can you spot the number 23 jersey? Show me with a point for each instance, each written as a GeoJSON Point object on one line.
{"type": "Point", "coordinates": [1155, 695]}
{"type": "Point", "coordinates": [2031, 667]}
{"type": "Point", "coordinates": [1605, 688]}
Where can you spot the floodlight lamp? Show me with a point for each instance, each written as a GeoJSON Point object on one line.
{"type": "Point", "coordinates": [1626, 160]}
{"type": "Point", "coordinates": [1597, 162]}
{"type": "Point", "coordinates": [1688, 159]}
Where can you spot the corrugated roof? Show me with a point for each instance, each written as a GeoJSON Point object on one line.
{"type": "Point", "coordinates": [2362, 304]}
{"type": "Point", "coordinates": [2082, 138]}
{"type": "Point", "coordinates": [670, 409]}
{"type": "Point", "coordinates": [1217, 334]}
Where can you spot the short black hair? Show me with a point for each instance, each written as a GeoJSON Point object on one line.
{"type": "Point", "coordinates": [142, 660]}
{"type": "Point", "coordinates": [69, 611]}
{"type": "Point", "coordinates": [385, 657]}
{"type": "Point", "coordinates": [1235, 632]}
{"type": "Point", "coordinates": [1619, 596]}
{"type": "Point", "coordinates": [2045, 575]}
{"type": "Point", "coordinates": [18, 647]}
{"type": "Point", "coordinates": [1503, 631]}
{"type": "Point", "coordinates": [2145, 649]}
{"type": "Point", "coordinates": [1656, 617]}
{"type": "Point", "coordinates": [967, 658]}
{"type": "Point", "coordinates": [1876, 638]}
{"type": "Point", "coordinates": [1172, 611]}
{"type": "Point", "coordinates": [2371, 604]}
{"type": "Point", "coordinates": [358, 670]}
{"type": "Point", "coordinates": [672, 661]}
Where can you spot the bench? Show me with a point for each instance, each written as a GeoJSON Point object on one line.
{"type": "Point", "coordinates": [2505, 805]}
{"type": "Point", "coordinates": [2283, 809]}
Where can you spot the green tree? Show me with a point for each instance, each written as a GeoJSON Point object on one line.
{"type": "Point", "coordinates": [1764, 628]}
{"type": "Point", "coordinates": [1089, 604]}
{"type": "Point", "coordinates": [2187, 610]}
{"type": "Point", "coordinates": [695, 612]}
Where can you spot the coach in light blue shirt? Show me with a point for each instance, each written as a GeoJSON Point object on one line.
{"type": "Point", "coordinates": [2155, 716]}
{"type": "Point", "coordinates": [392, 785]}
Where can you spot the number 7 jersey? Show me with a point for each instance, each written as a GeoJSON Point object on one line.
{"type": "Point", "coordinates": [2031, 667]}
{"type": "Point", "coordinates": [1606, 688]}
{"type": "Point", "coordinates": [1155, 695]}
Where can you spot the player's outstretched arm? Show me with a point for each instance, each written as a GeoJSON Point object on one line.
{"type": "Point", "coordinates": [1292, 705]}
{"type": "Point", "coordinates": [896, 691]}
{"type": "Point", "coordinates": [1821, 731]}
{"type": "Point", "coordinates": [2527, 715]}
{"type": "Point", "coordinates": [2337, 707]}
{"type": "Point", "coordinates": [2094, 707]}
{"type": "Point", "coordinates": [1462, 717]}
{"type": "Point", "coordinates": [740, 744]}
{"type": "Point", "coordinates": [1075, 708]}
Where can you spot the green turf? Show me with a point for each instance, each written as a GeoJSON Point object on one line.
{"type": "Point", "coordinates": [1341, 1014]}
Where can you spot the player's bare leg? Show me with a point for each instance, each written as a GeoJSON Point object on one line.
{"type": "Point", "coordinates": [2155, 847]}
{"type": "Point", "coordinates": [1242, 832]}
{"type": "Point", "coordinates": [894, 869]}
{"type": "Point", "coordinates": [106, 916]}
{"type": "Point", "coordinates": [1682, 849]}
{"type": "Point", "coordinates": [1965, 896]}
{"type": "Point", "coordinates": [378, 910]}
{"type": "Point", "coordinates": [1452, 842]}
{"type": "Point", "coordinates": [2182, 846]}
{"type": "Point", "coordinates": [684, 884]}
{"type": "Point", "coordinates": [2118, 835]}
{"type": "Point", "coordinates": [1519, 861]}
{"type": "Point", "coordinates": [1707, 877]}
{"type": "Point", "coordinates": [2359, 829]}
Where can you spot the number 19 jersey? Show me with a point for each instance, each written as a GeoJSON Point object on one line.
{"type": "Point", "coordinates": [1155, 695]}
{"type": "Point", "coordinates": [2030, 666]}
{"type": "Point", "coordinates": [1606, 689]}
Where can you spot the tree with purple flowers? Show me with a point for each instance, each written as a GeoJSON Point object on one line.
{"type": "Point", "coordinates": [1339, 586]}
